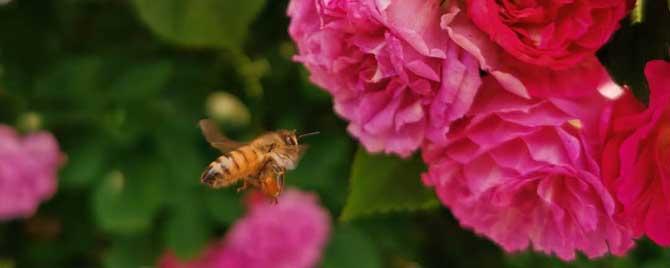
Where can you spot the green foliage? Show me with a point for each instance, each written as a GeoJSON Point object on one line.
{"type": "Point", "coordinates": [349, 247]}
{"type": "Point", "coordinates": [130, 252]}
{"type": "Point", "coordinates": [150, 78]}
{"type": "Point", "coordinates": [186, 231]}
{"type": "Point", "coordinates": [200, 23]}
{"type": "Point", "coordinates": [380, 184]}
{"type": "Point", "coordinates": [127, 204]}
{"type": "Point", "coordinates": [85, 164]}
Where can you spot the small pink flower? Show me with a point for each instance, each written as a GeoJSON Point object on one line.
{"type": "Point", "coordinates": [637, 157]}
{"type": "Point", "coordinates": [519, 77]}
{"type": "Point", "coordinates": [393, 72]}
{"type": "Point", "coordinates": [291, 234]}
{"type": "Point", "coordinates": [28, 171]}
{"type": "Point", "coordinates": [522, 172]}
{"type": "Point", "coordinates": [553, 33]}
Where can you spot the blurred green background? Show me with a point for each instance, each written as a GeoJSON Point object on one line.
{"type": "Point", "coordinates": [122, 84]}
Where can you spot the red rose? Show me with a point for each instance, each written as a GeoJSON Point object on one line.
{"type": "Point", "coordinates": [552, 33]}
{"type": "Point", "coordinates": [636, 158]}
{"type": "Point", "coordinates": [522, 78]}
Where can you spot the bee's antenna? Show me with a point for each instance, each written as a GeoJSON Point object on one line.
{"type": "Point", "coordinates": [308, 134]}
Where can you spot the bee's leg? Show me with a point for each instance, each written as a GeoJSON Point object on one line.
{"type": "Point", "coordinates": [253, 181]}
{"type": "Point", "coordinates": [274, 200]}
{"type": "Point", "coordinates": [244, 186]}
{"type": "Point", "coordinates": [246, 182]}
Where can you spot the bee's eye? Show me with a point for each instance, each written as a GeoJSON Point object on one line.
{"type": "Point", "coordinates": [288, 140]}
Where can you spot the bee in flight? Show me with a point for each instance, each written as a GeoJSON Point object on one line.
{"type": "Point", "coordinates": [260, 163]}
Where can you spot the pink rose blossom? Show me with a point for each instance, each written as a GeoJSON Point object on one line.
{"type": "Point", "coordinates": [522, 172]}
{"type": "Point", "coordinates": [516, 76]}
{"type": "Point", "coordinates": [393, 72]}
{"type": "Point", "coordinates": [553, 33]}
{"type": "Point", "coordinates": [28, 170]}
{"type": "Point", "coordinates": [637, 157]}
{"type": "Point", "coordinates": [291, 234]}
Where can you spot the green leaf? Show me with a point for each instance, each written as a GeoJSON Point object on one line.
{"type": "Point", "coordinates": [349, 247]}
{"type": "Point", "coordinates": [186, 232]}
{"type": "Point", "coordinates": [141, 82]}
{"type": "Point", "coordinates": [129, 252]}
{"type": "Point", "coordinates": [200, 23]}
{"type": "Point", "coordinates": [126, 204]}
{"type": "Point", "coordinates": [182, 161]}
{"type": "Point", "coordinates": [73, 76]}
{"type": "Point", "coordinates": [381, 183]}
{"type": "Point", "coordinates": [85, 164]}
{"type": "Point", "coordinates": [69, 91]}
{"type": "Point", "coordinates": [394, 234]}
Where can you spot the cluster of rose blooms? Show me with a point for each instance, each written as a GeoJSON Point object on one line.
{"type": "Point", "coordinates": [527, 139]}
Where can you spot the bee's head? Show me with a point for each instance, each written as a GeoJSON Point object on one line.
{"type": "Point", "coordinates": [290, 152]}
{"type": "Point", "coordinates": [290, 138]}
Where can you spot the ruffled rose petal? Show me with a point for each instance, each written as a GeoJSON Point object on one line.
{"type": "Point", "coordinates": [394, 73]}
{"type": "Point", "coordinates": [518, 171]}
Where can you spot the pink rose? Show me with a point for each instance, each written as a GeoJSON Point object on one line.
{"type": "Point", "coordinates": [552, 33]}
{"type": "Point", "coordinates": [519, 77]}
{"type": "Point", "coordinates": [637, 156]}
{"type": "Point", "coordinates": [28, 170]}
{"type": "Point", "coordinates": [393, 72]}
{"type": "Point", "coordinates": [291, 234]}
{"type": "Point", "coordinates": [522, 172]}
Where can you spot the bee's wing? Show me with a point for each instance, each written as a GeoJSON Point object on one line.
{"type": "Point", "coordinates": [215, 138]}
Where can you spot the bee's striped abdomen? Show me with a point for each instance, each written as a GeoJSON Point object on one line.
{"type": "Point", "coordinates": [231, 167]}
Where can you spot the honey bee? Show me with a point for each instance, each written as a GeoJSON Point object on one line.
{"type": "Point", "coordinates": [260, 163]}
